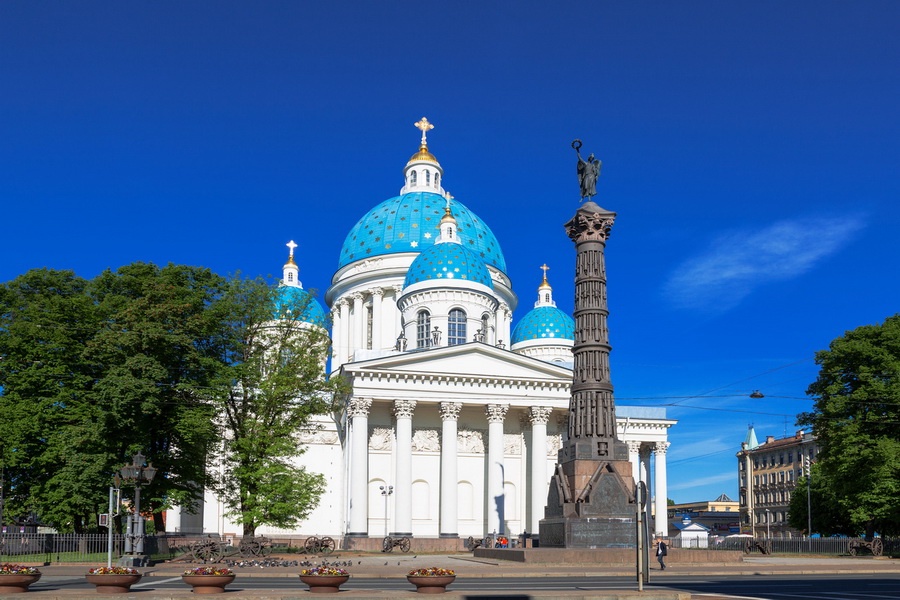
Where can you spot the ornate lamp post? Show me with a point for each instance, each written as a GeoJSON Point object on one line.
{"type": "Point", "coordinates": [136, 473]}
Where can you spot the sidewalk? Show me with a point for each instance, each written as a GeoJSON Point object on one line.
{"type": "Point", "coordinates": [396, 566]}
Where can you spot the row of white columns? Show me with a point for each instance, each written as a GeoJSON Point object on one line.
{"type": "Point", "coordinates": [350, 329]}
{"type": "Point", "coordinates": [639, 456]}
{"type": "Point", "coordinates": [358, 412]}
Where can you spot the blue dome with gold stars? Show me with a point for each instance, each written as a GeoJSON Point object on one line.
{"type": "Point", "coordinates": [411, 223]}
{"type": "Point", "coordinates": [544, 322]}
{"type": "Point", "coordinates": [290, 299]}
{"type": "Point", "coordinates": [448, 261]}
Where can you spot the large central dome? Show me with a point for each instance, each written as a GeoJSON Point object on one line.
{"type": "Point", "coordinates": [411, 223]}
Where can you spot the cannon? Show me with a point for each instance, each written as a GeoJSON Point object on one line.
{"type": "Point", "coordinates": [255, 547]}
{"type": "Point", "coordinates": [317, 545]}
{"type": "Point", "coordinates": [389, 543]}
{"type": "Point", "coordinates": [875, 546]}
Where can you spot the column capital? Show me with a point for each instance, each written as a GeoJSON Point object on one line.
{"type": "Point", "coordinates": [661, 447]}
{"type": "Point", "coordinates": [404, 408]}
{"type": "Point", "coordinates": [590, 226]}
{"type": "Point", "coordinates": [397, 289]}
{"type": "Point", "coordinates": [357, 296]}
{"type": "Point", "coordinates": [359, 407]}
{"type": "Point", "coordinates": [540, 415]}
{"type": "Point", "coordinates": [343, 301]}
{"type": "Point", "coordinates": [450, 411]}
{"type": "Point", "coordinates": [634, 447]}
{"type": "Point", "coordinates": [377, 292]}
{"type": "Point", "coordinates": [496, 412]}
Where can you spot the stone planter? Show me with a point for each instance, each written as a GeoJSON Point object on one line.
{"type": "Point", "coordinates": [324, 584]}
{"type": "Point", "coordinates": [16, 584]}
{"type": "Point", "coordinates": [431, 584]}
{"type": "Point", "coordinates": [113, 584]}
{"type": "Point", "coordinates": [208, 584]}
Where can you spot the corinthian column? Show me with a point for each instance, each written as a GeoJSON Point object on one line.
{"type": "Point", "coordinates": [661, 505]}
{"type": "Point", "coordinates": [378, 341]}
{"type": "Point", "coordinates": [343, 344]}
{"type": "Point", "coordinates": [358, 329]}
{"type": "Point", "coordinates": [539, 477]}
{"type": "Point", "coordinates": [403, 411]}
{"type": "Point", "coordinates": [358, 411]}
{"type": "Point", "coordinates": [495, 516]}
{"type": "Point", "coordinates": [449, 479]}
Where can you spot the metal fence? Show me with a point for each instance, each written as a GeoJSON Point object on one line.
{"type": "Point", "coordinates": [69, 547]}
{"type": "Point", "coordinates": [833, 546]}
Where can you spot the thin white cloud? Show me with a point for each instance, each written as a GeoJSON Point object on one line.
{"type": "Point", "coordinates": [686, 485]}
{"type": "Point", "coordinates": [739, 261]}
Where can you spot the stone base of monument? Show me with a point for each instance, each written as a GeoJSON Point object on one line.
{"type": "Point", "coordinates": [590, 505]}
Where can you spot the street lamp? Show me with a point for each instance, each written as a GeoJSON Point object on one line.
{"type": "Point", "coordinates": [136, 473]}
{"type": "Point", "coordinates": [768, 520]}
{"type": "Point", "coordinates": [386, 490]}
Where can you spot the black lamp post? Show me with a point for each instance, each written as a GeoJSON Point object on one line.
{"type": "Point", "coordinates": [136, 473]}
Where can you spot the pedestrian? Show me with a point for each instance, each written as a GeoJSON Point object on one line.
{"type": "Point", "coordinates": [662, 549]}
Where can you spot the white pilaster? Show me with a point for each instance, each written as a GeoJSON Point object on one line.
{"type": "Point", "coordinates": [358, 329]}
{"type": "Point", "coordinates": [634, 457]}
{"type": "Point", "coordinates": [344, 343]}
{"type": "Point", "coordinates": [335, 336]}
{"type": "Point", "coordinates": [398, 317]}
{"type": "Point", "coordinates": [358, 411]}
{"type": "Point", "coordinates": [660, 489]}
{"type": "Point", "coordinates": [449, 479]}
{"type": "Point", "coordinates": [539, 482]}
{"type": "Point", "coordinates": [495, 497]}
{"type": "Point", "coordinates": [403, 412]}
{"type": "Point", "coordinates": [377, 301]}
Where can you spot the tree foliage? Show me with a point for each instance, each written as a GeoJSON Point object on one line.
{"type": "Point", "coordinates": [856, 419]}
{"type": "Point", "coordinates": [271, 385]}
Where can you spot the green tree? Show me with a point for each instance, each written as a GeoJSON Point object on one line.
{"type": "Point", "coordinates": [155, 350]}
{"type": "Point", "coordinates": [52, 452]}
{"type": "Point", "coordinates": [271, 384]}
{"type": "Point", "coordinates": [827, 516]}
{"type": "Point", "coordinates": [856, 419]}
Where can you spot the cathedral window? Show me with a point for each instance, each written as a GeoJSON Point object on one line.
{"type": "Point", "coordinates": [456, 327]}
{"type": "Point", "coordinates": [427, 177]}
{"type": "Point", "coordinates": [290, 276]}
{"type": "Point", "coordinates": [423, 327]}
{"type": "Point", "coordinates": [412, 178]}
{"type": "Point", "coordinates": [437, 180]}
{"type": "Point", "coordinates": [485, 321]}
{"type": "Point", "coordinates": [546, 297]}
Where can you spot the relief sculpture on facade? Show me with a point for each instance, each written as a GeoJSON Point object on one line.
{"type": "Point", "coordinates": [426, 440]}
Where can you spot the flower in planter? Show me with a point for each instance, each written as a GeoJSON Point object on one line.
{"type": "Point", "coordinates": [11, 569]}
{"type": "Point", "coordinates": [325, 571]}
{"type": "Point", "coordinates": [431, 572]}
{"type": "Point", "coordinates": [113, 571]}
{"type": "Point", "coordinates": [208, 571]}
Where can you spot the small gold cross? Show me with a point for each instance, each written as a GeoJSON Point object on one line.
{"type": "Point", "coordinates": [424, 125]}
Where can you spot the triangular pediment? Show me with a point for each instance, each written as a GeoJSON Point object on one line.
{"type": "Point", "coordinates": [472, 360]}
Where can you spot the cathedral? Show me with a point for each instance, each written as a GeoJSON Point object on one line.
{"type": "Point", "coordinates": [456, 413]}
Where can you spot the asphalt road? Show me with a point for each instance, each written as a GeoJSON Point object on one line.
{"type": "Point", "coordinates": [759, 587]}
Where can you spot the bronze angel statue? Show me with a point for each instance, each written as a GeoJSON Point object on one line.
{"type": "Point", "coordinates": [588, 172]}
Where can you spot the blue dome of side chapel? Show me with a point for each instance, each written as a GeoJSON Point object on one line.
{"type": "Point", "coordinates": [544, 322]}
{"type": "Point", "coordinates": [289, 298]}
{"type": "Point", "coordinates": [410, 223]}
{"type": "Point", "coordinates": [441, 262]}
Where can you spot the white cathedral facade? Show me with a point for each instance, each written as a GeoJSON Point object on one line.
{"type": "Point", "coordinates": [456, 413]}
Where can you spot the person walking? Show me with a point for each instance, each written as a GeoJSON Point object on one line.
{"type": "Point", "coordinates": [662, 549]}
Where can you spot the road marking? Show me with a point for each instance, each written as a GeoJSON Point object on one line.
{"type": "Point", "coordinates": [157, 582]}
{"type": "Point", "coordinates": [729, 596]}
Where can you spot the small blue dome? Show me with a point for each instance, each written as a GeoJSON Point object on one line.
{"type": "Point", "coordinates": [288, 297]}
{"type": "Point", "coordinates": [448, 261]}
{"type": "Point", "coordinates": [544, 322]}
{"type": "Point", "coordinates": [410, 223]}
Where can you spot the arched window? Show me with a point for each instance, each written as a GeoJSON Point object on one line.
{"type": "Point", "coordinates": [546, 297]}
{"type": "Point", "coordinates": [437, 180]}
{"type": "Point", "coordinates": [427, 177]}
{"type": "Point", "coordinates": [412, 178]}
{"type": "Point", "coordinates": [290, 276]}
{"type": "Point", "coordinates": [456, 327]}
{"type": "Point", "coordinates": [423, 326]}
{"type": "Point", "coordinates": [485, 324]}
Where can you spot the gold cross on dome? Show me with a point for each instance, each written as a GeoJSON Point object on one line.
{"type": "Point", "coordinates": [291, 245]}
{"type": "Point", "coordinates": [545, 268]}
{"type": "Point", "coordinates": [424, 125]}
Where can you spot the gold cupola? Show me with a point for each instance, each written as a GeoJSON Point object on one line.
{"type": "Point", "coordinates": [423, 172]}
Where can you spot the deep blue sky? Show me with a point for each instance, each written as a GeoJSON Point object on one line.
{"type": "Point", "coordinates": [750, 149]}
